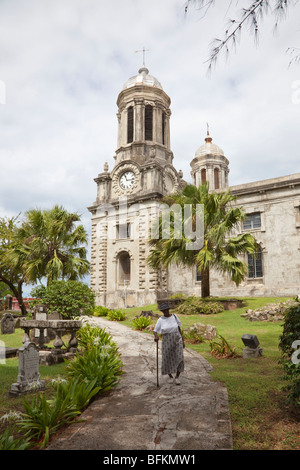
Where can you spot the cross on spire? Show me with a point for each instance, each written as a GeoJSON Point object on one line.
{"type": "Point", "coordinates": [143, 51]}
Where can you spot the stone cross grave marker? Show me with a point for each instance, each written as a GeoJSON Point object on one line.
{"type": "Point", "coordinates": [28, 376]}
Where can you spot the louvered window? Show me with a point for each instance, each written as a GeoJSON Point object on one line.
{"type": "Point", "coordinates": [130, 125]}
{"type": "Point", "coordinates": [148, 122]}
{"type": "Point", "coordinates": [252, 221]}
{"type": "Point", "coordinates": [203, 175]}
{"type": "Point", "coordinates": [163, 128]}
{"type": "Point", "coordinates": [255, 267]}
{"type": "Point", "coordinates": [217, 178]}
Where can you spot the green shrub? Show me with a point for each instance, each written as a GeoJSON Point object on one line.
{"type": "Point", "coordinates": [89, 336]}
{"type": "Point", "coordinates": [99, 360]}
{"type": "Point", "coordinates": [196, 306]}
{"type": "Point", "coordinates": [290, 334]}
{"type": "Point", "coordinates": [101, 311]}
{"type": "Point", "coordinates": [78, 392]}
{"type": "Point", "coordinates": [141, 323]}
{"type": "Point", "coordinates": [101, 364]}
{"type": "Point", "coordinates": [116, 315]}
{"type": "Point", "coordinates": [69, 298]}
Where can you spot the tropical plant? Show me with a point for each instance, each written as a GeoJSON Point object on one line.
{"type": "Point", "coordinates": [219, 249]}
{"type": "Point", "coordinates": [100, 363]}
{"type": "Point", "coordinates": [11, 271]}
{"type": "Point", "coordinates": [100, 311]}
{"type": "Point", "coordinates": [220, 348]}
{"type": "Point", "coordinates": [49, 244]}
{"type": "Point", "coordinates": [116, 315]}
{"type": "Point", "coordinates": [98, 360]}
{"type": "Point", "coordinates": [69, 298]}
{"type": "Point", "coordinates": [78, 392]}
{"type": "Point", "coordinates": [193, 337]}
{"type": "Point", "coordinates": [89, 337]}
{"type": "Point", "coordinates": [42, 417]}
{"type": "Point", "coordinates": [141, 323]}
{"type": "Point", "coordinates": [9, 442]}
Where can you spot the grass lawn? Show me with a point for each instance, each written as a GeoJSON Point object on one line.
{"type": "Point", "coordinates": [260, 417]}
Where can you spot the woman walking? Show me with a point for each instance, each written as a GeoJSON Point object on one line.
{"type": "Point", "coordinates": [172, 343]}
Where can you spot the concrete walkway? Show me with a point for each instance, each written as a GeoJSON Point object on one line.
{"type": "Point", "coordinates": [138, 415]}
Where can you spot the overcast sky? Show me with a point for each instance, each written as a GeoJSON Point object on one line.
{"type": "Point", "coordinates": [64, 62]}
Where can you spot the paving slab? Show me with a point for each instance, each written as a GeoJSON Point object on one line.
{"type": "Point", "coordinates": [139, 415]}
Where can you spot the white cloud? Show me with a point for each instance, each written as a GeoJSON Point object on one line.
{"type": "Point", "coordinates": [64, 63]}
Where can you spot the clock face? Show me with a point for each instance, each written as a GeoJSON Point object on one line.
{"type": "Point", "coordinates": [127, 180]}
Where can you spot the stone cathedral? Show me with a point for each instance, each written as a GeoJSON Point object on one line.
{"type": "Point", "coordinates": [129, 197]}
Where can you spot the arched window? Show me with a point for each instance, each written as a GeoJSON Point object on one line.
{"type": "Point", "coordinates": [130, 124]}
{"type": "Point", "coordinates": [255, 265]}
{"type": "Point", "coordinates": [148, 122]}
{"type": "Point", "coordinates": [217, 178]}
{"type": "Point", "coordinates": [203, 175]}
{"type": "Point", "coordinates": [124, 267]}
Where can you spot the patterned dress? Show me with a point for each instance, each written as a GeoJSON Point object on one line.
{"type": "Point", "coordinates": [172, 345]}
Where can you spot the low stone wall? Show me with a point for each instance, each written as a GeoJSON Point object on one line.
{"type": "Point", "coordinates": [270, 312]}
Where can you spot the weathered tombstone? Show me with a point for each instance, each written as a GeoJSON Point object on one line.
{"type": "Point", "coordinates": [7, 324]}
{"type": "Point", "coordinates": [8, 302]}
{"type": "Point", "coordinates": [252, 350]}
{"type": "Point", "coordinates": [28, 376]}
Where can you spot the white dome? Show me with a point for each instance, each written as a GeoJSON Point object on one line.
{"type": "Point", "coordinates": [209, 149]}
{"type": "Point", "coordinates": [143, 78]}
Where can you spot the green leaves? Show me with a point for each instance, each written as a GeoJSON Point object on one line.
{"type": "Point", "coordinates": [222, 244]}
{"type": "Point", "coordinates": [141, 323]}
{"type": "Point", "coordinates": [51, 245]}
{"type": "Point", "coordinates": [98, 361]}
{"type": "Point", "coordinates": [43, 417]}
{"type": "Point", "coordinates": [96, 369]}
{"type": "Point", "coordinates": [69, 298]}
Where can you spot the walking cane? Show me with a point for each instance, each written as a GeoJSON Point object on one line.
{"type": "Point", "coordinates": [157, 364]}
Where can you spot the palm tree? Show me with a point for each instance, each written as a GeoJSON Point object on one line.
{"type": "Point", "coordinates": [51, 245]}
{"type": "Point", "coordinates": [11, 274]}
{"type": "Point", "coordinates": [219, 250]}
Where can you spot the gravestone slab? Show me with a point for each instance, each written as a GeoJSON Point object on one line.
{"type": "Point", "coordinates": [7, 324]}
{"type": "Point", "coordinates": [28, 377]}
{"type": "Point", "coordinates": [251, 341]}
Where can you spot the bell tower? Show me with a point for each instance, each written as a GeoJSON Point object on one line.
{"type": "Point", "coordinates": [143, 120]}
{"type": "Point", "coordinates": [142, 174]}
{"type": "Point", "coordinates": [210, 165]}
